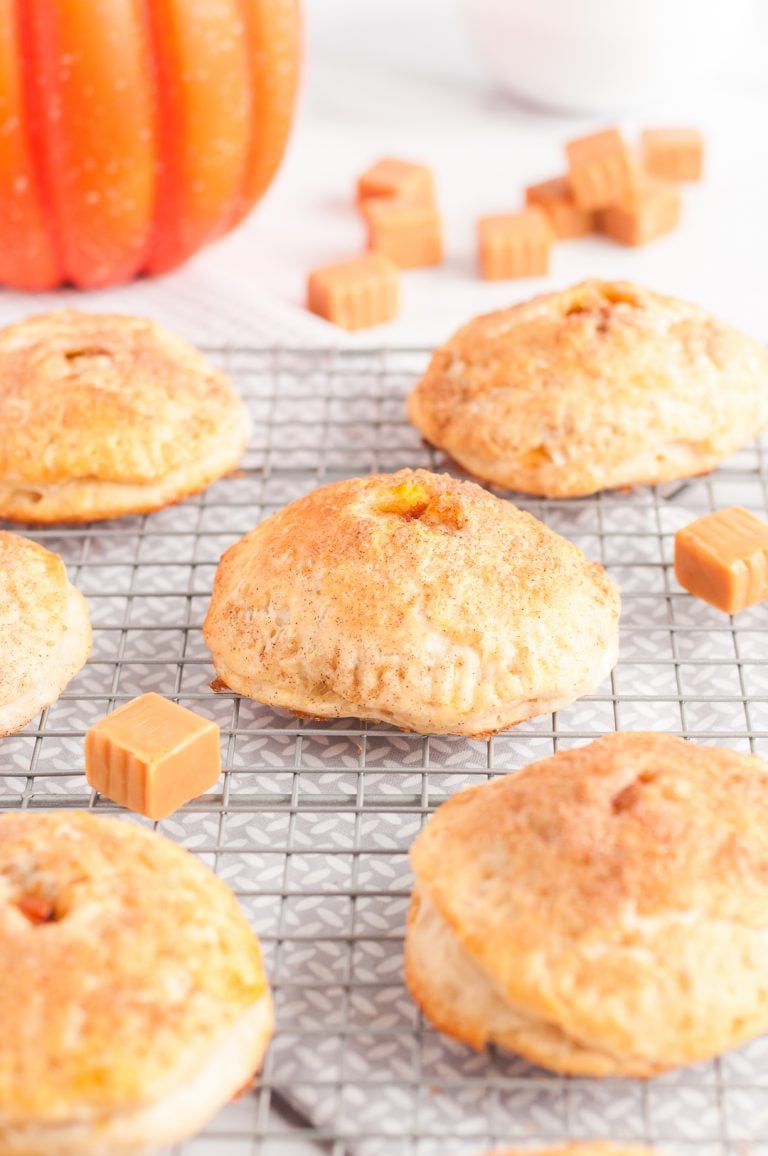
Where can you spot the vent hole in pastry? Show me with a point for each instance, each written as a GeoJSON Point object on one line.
{"type": "Point", "coordinates": [28, 497]}
{"type": "Point", "coordinates": [596, 299]}
{"type": "Point", "coordinates": [413, 502]}
{"type": "Point", "coordinates": [600, 313]}
{"type": "Point", "coordinates": [538, 456]}
{"type": "Point", "coordinates": [408, 500]}
{"type": "Point", "coordinates": [85, 354]}
{"type": "Point", "coordinates": [84, 360]}
{"type": "Point", "coordinates": [615, 295]}
{"type": "Point", "coordinates": [36, 909]}
{"type": "Point", "coordinates": [626, 799]}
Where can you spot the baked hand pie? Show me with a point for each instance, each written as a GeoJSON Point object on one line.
{"type": "Point", "coordinates": [414, 599]}
{"type": "Point", "coordinates": [134, 1002]}
{"type": "Point", "coordinates": [105, 415]}
{"type": "Point", "coordinates": [45, 633]}
{"type": "Point", "coordinates": [600, 386]}
{"type": "Point", "coordinates": [603, 912]}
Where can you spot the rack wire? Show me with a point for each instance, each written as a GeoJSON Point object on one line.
{"type": "Point", "coordinates": [311, 823]}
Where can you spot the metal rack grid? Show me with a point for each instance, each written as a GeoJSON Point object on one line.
{"type": "Point", "coordinates": [311, 822]}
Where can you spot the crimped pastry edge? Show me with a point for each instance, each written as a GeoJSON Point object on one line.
{"type": "Point", "coordinates": [151, 1128]}
{"type": "Point", "coordinates": [461, 1000]}
{"type": "Point", "coordinates": [62, 666]}
{"type": "Point", "coordinates": [90, 499]}
{"type": "Point", "coordinates": [439, 721]}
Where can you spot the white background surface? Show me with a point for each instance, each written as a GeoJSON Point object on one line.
{"type": "Point", "coordinates": [400, 77]}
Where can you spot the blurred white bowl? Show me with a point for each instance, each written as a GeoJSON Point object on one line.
{"type": "Point", "coordinates": [606, 55]}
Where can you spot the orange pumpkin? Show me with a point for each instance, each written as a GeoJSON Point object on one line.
{"type": "Point", "coordinates": [134, 131]}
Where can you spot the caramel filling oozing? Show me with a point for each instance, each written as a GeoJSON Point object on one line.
{"type": "Point", "coordinates": [36, 908]}
{"type": "Point", "coordinates": [412, 500]}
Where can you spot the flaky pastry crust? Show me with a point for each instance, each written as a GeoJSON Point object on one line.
{"type": "Point", "coordinates": [603, 385]}
{"type": "Point", "coordinates": [45, 633]}
{"type": "Point", "coordinates": [103, 415]}
{"type": "Point", "coordinates": [134, 1001]}
{"type": "Point", "coordinates": [603, 912]}
{"type": "Point", "coordinates": [414, 599]}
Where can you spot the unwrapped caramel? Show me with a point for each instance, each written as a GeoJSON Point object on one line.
{"type": "Point", "coordinates": [514, 244]}
{"type": "Point", "coordinates": [565, 216]}
{"type": "Point", "coordinates": [398, 179]}
{"type": "Point", "coordinates": [723, 558]}
{"type": "Point", "coordinates": [600, 169]}
{"type": "Point", "coordinates": [674, 153]}
{"type": "Point", "coordinates": [408, 232]}
{"type": "Point", "coordinates": [650, 210]}
{"type": "Point", "coordinates": [152, 755]}
{"type": "Point", "coordinates": [356, 294]}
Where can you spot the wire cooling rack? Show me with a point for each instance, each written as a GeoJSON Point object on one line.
{"type": "Point", "coordinates": [311, 823]}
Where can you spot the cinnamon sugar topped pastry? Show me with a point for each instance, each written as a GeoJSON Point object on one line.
{"type": "Point", "coordinates": [134, 1002]}
{"type": "Point", "coordinates": [105, 415]}
{"type": "Point", "coordinates": [603, 912]}
{"type": "Point", "coordinates": [602, 385]}
{"type": "Point", "coordinates": [414, 599]}
{"type": "Point", "coordinates": [45, 634]}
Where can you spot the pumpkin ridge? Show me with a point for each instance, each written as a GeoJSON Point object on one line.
{"type": "Point", "coordinates": [33, 99]}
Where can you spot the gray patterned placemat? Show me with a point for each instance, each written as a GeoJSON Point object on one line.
{"type": "Point", "coordinates": [311, 823]}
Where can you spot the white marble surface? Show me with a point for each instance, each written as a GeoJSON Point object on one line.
{"type": "Point", "coordinates": [399, 77]}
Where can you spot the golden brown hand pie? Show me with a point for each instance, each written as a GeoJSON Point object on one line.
{"type": "Point", "coordinates": [602, 385]}
{"type": "Point", "coordinates": [105, 415]}
{"type": "Point", "coordinates": [45, 634]}
{"type": "Point", "coordinates": [414, 599]}
{"type": "Point", "coordinates": [133, 1002]}
{"type": "Point", "coordinates": [602, 912]}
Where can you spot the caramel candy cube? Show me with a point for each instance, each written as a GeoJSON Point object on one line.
{"type": "Point", "coordinates": [600, 169]}
{"type": "Point", "coordinates": [723, 558]}
{"type": "Point", "coordinates": [408, 232]}
{"type": "Point", "coordinates": [674, 153]}
{"type": "Point", "coordinates": [355, 294]}
{"type": "Point", "coordinates": [651, 210]}
{"type": "Point", "coordinates": [396, 179]}
{"type": "Point", "coordinates": [565, 216]}
{"type": "Point", "coordinates": [152, 755]}
{"type": "Point", "coordinates": [514, 244]}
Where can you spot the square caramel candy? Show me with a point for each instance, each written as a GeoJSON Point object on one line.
{"type": "Point", "coordinates": [723, 558]}
{"type": "Point", "coordinates": [650, 210]}
{"type": "Point", "coordinates": [600, 169]}
{"type": "Point", "coordinates": [356, 294]}
{"type": "Point", "coordinates": [565, 216]}
{"type": "Point", "coordinates": [392, 178]}
{"type": "Point", "coordinates": [408, 232]}
{"type": "Point", "coordinates": [674, 153]}
{"type": "Point", "coordinates": [152, 755]}
{"type": "Point", "coordinates": [514, 244]}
